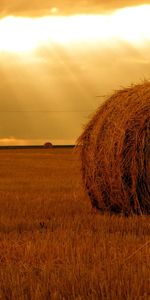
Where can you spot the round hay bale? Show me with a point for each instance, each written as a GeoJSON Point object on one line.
{"type": "Point", "coordinates": [48, 145]}
{"type": "Point", "coordinates": [115, 153]}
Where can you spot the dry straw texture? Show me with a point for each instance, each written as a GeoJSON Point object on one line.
{"type": "Point", "coordinates": [115, 152]}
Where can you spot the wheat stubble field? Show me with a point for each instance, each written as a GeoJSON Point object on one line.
{"type": "Point", "coordinates": [53, 245]}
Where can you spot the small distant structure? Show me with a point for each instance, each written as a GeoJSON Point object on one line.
{"type": "Point", "coordinates": [48, 145]}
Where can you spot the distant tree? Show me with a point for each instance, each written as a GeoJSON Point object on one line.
{"type": "Point", "coordinates": [48, 145]}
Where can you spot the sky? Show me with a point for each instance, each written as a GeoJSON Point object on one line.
{"type": "Point", "coordinates": [59, 60]}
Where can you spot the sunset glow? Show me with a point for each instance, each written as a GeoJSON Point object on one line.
{"type": "Point", "coordinates": [18, 34]}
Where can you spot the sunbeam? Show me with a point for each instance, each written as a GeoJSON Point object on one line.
{"type": "Point", "coordinates": [18, 34]}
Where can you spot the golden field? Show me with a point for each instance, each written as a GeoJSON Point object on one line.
{"type": "Point", "coordinates": [53, 245]}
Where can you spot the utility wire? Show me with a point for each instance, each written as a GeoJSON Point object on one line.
{"type": "Point", "coordinates": [44, 111]}
{"type": "Point", "coordinates": [51, 111]}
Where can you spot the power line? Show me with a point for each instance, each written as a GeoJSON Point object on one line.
{"type": "Point", "coordinates": [45, 111]}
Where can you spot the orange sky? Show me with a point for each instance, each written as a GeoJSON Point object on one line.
{"type": "Point", "coordinates": [40, 7]}
{"type": "Point", "coordinates": [54, 66]}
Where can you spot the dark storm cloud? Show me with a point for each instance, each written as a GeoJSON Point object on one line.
{"type": "Point", "coordinates": [42, 7]}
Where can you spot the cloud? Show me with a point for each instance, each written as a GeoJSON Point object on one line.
{"type": "Point", "coordinates": [62, 78]}
{"type": "Point", "coordinates": [12, 141]}
{"type": "Point", "coordinates": [40, 7]}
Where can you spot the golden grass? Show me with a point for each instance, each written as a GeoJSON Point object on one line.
{"type": "Point", "coordinates": [115, 152]}
{"type": "Point", "coordinates": [53, 246]}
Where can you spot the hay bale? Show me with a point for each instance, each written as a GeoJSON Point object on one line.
{"type": "Point", "coordinates": [48, 145]}
{"type": "Point", "coordinates": [115, 153]}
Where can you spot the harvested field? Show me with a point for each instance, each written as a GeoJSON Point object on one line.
{"type": "Point", "coordinates": [53, 246]}
{"type": "Point", "coordinates": [115, 153]}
